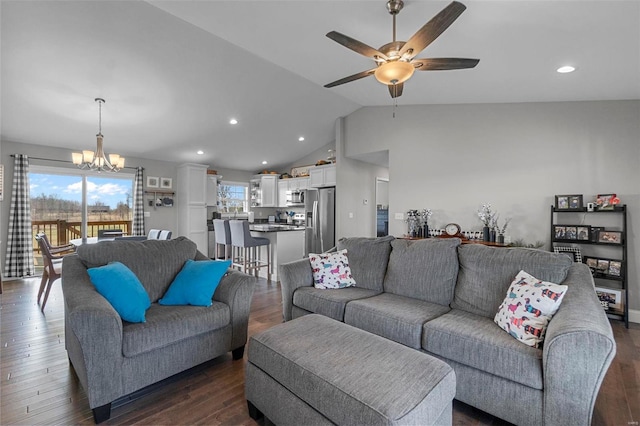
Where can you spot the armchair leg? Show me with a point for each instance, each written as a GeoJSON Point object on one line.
{"type": "Point", "coordinates": [102, 413]}
{"type": "Point", "coordinates": [254, 413]}
{"type": "Point", "coordinates": [238, 353]}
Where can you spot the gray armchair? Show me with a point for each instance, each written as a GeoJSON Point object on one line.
{"type": "Point", "coordinates": [114, 358]}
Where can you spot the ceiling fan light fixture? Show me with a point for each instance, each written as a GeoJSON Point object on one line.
{"type": "Point", "coordinates": [394, 72]}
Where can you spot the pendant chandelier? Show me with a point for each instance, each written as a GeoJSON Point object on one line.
{"type": "Point", "coordinates": [98, 160]}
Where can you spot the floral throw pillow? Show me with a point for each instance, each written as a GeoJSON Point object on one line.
{"type": "Point", "coordinates": [331, 270]}
{"type": "Point", "coordinates": [528, 307]}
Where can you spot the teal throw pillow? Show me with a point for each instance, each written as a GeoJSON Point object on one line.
{"type": "Point", "coordinates": [195, 283]}
{"type": "Point", "coordinates": [116, 283]}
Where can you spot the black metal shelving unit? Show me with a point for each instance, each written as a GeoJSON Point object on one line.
{"type": "Point", "coordinates": [603, 279]}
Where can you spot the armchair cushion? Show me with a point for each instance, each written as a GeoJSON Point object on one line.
{"type": "Point", "coordinates": [195, 283]}
{"type": "Point", "coordinates": [166, 325]}
{"type": "Point", "coordinates": [116, 283]}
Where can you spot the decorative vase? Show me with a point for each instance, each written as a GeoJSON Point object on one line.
{"type": "Point", "coordinates": [425, 231]}
{"type": "Point", "coordinates": [500, 239]}
{"type": "Point", "coordinates": [485, 234]}
{"type": "Point", "coordinates": [492, 235]}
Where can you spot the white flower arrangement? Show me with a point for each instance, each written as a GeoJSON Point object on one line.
{"type": "Point", "coordinates": [486, 215]}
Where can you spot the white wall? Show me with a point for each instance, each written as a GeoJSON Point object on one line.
{"type": "Point", "coordinates": [355, 192]}
{"type": "Point", "coordinates": [453, 158]}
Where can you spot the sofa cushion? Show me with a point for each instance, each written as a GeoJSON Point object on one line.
{"type": "Point", "coordinates": [368, 258]}
{"type": "Point", "coordinates": [330, 302]}
{"type": "Point", "coordinates": [486, 273]}
{"type": "Point", "coordinates": [116, 283]}
{"type": "Point", "coordinates": [170, 324]}
{"type": "Point", "coordinates": [397, 318]}
{"type": "Point", "coordinates": [331, 270]}
{"type": "Point", "coordinates": [478, 342]}
{"type": "Point", "coordinates": [424, 269]}
{"type": "Point", "coordinates": [155, 262]}
{"type": "Point", "coordinates": [528, 307]}
{"type": "Point", "coordinates": [195, 283]}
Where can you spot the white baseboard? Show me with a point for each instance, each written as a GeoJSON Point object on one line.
{"type": "Point", "coordinates": [634, 316]}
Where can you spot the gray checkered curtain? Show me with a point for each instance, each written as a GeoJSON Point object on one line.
{"type": "Point", "coordinates": [19, 258]}
{"type": "Point", "coordinates": [138, 204]}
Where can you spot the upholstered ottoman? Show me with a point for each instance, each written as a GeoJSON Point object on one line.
{"type": "Point", "coordinates": [315, 370]}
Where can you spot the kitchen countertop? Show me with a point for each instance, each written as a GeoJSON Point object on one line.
{"type": "Point", "coordinates": [275, 227]}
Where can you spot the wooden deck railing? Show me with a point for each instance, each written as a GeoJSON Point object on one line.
{"type": "Point", "coordinates": [61, 231]}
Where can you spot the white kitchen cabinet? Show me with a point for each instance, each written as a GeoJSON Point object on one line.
{"type": "Point", "coordinates": [291, 184]}
{"type": "Point", "coordinates": [264, 191]}
{"type": "Point", "coordinates": [321, 176]}
{"type": "Point", "coordinates": [283, 187]}
{"type": "Point", "coordinates": [192, 204]}
{"type": "Point", "coordinates": [212, 190]}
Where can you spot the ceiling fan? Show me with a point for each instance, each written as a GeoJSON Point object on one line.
{"type": "Point", "coordinates": [396, 61]}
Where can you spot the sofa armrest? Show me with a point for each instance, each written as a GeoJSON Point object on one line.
{"type": "Point", "coordinates": [93, 334]}
{"type": "Point", "coordinates": [293, 275]}
{"type": "Point", "coordinates": [578, 349]}
{"type": "Point", "coordinates": [236, 290]}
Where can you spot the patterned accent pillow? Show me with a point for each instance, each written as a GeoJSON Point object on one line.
{"type": "Point", "coordinates": [331, 270]}
{"type": "Point", "coordinates": [528, 307]}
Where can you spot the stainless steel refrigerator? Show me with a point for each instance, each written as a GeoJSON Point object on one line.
{"type": "Point", "coordinates": [320, 214]}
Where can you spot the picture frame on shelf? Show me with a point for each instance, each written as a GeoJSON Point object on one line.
{"type": "Point", "coordinates": [615, 268]}
{"type": "Point", "coordinates": [166, 183]}
{"type": "Point", "coordinates": [569, 202]}
{"type": "Point", "coordinates": [570, 232]}
{"type": "Point", "coordinates": [594, 233]}
{"type": "Point", "coordinates": [605, 201]}
{"type": "Point", "coordinates": [573, 252]}
{"type": "Point", "coordinates": [610, 237]}
{"type": "Point", "coordinates": [583, 233]}
{"type": "Point", "coordinates": [611, 299]}
{"type": "Point", "coordinates": [604, 268]}
{"type": "Point", "coordinates": [153, 182]}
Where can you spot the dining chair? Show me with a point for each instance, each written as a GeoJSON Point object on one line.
{"type": "Point", "coordinates": [159, 234]}
{"type": "Point", "coordinates": [56, 249]}
{"type": "Point", "coordinates": [52, 269]}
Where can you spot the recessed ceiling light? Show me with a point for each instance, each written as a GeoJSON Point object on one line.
{"type": "Point", "coordinates": [566, 69]}
{"type": "Point", "coordinates": [301, 138]}
{"type": "Point", "coordinates": [233, 121]}
{"type": "Point", "coordinates": [264, 162]}
{"type": "Point", "coordinates": [200, 152]}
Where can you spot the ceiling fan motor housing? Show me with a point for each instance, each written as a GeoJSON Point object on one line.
{"type": "Point", "coordinates": [394, 6]}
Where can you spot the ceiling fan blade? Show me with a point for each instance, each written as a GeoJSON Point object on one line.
{"type": "Point", "coordinates": [432, 29]}
{"type": "Point", "coordinates": [439, 64]}
{"type": "Point", "coordinates": [395, 90]}
{"type": "Point", "coordinates": [356, 46]}
{"type": "Point", "coordinates": [351, 78]}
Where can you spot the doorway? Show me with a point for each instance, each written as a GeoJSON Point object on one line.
{"type": "Point", "coordinates": [382, 207]}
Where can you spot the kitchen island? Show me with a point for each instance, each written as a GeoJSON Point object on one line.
{"type": "Point", "coordinates": [287, 244]}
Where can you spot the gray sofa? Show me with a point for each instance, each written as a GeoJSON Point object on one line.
{"type": "Point", "coordinates": [440, 297]}
{"type": "Point", "coordinates": [114, 358]}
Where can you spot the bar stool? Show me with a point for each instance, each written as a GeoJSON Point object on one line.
{"type": "Point", "coordinates": [242, 240]}
{"type": "Point", "coordinates": [223, 238]}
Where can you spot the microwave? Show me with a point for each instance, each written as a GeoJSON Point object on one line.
{"type": "Point", "coordinates": [295, 197]}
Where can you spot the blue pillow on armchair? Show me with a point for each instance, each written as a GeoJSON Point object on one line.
{"type": "Point", "coordinates": [120, 286]}
{"type": "Point", "coordinates": [195, 283]}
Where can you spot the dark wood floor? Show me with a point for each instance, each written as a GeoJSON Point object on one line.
{"type": "Point", "coordinates": [39, 387]}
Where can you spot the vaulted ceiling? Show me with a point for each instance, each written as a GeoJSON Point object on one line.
{"type": "Point", "coordinates": [174, 73]}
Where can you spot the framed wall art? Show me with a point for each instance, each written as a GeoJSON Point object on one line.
{"type": "Point", "coordinates": [153, 182]}
{"type": "Point", "coordinates": [166, 183]}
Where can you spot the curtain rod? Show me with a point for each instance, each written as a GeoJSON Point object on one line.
{"type": "Point", "coordinates": [67, 161]}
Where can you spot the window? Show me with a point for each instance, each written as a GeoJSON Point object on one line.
{"type": "Point", "coordinates": [57, 202]}
{"type": "Point", "coordinates": [233, 197]}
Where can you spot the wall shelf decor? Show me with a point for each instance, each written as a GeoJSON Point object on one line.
{"type": "Point", "coordinates": [159, 198]}
{"type": "Point", "coordinates": [606, 232]}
